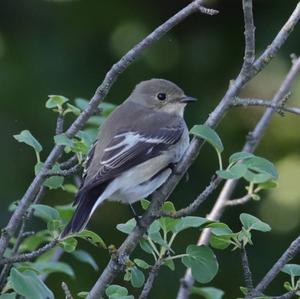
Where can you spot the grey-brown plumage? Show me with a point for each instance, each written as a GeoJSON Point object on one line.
{"type": "Point", "coordinates": [134, 149]}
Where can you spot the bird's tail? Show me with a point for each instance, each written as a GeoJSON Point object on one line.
{"type": "Point", "coordinates": [86, 199]}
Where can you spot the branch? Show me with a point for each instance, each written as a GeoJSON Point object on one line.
{"type": "Point", "coordinates": [287, 295]}
{"type": "Point", "coordinates": [290, 253]}
{"type": "Point", "coordinates": [65, 173]}
{"type": "Point", "coordinates": [246, 269]}
{"type": "Point", "coordinates": [99, 95]}
{"type": "Point", "coordinates": [69, 163]}
{"type": "Point", "coordinates": [28, 256]}
{"type": "Point", "coordinates": [59, 124]}
{"type": "Point", "coordinates": [150, 280]}
{"type": "Point", "coordinates": [265, 103]}
{"type": "Point", "coordinates": [214, 183]}
{"type": "Point", "coordinates": [249, 36]}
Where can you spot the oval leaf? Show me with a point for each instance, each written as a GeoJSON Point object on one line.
{"type": "Point", "coordinates": [291, 269]}
{"type": "Point", "coordinates": [189, 221]}
{"type": "Point", "coordinates": [91, 237]}
{"type": "Point", "coordinates": [55, 101]}
{"type": "Point", "coordinates": [85, 257]}
{"type": "Point", "coordinates": [202, 261]}
{"type": "Point", "coordinates": [250, 222]}
{"type": "Point", "coordinates": [137, 277]}
{"type": "Point", "coordinates": [209, 135]}
{"type": "Point", "coordinates": [29, 285]}
{"type": "Point", "coordinates": [239, 156]}
{"type": "Point", "coordinates": [26, 137]}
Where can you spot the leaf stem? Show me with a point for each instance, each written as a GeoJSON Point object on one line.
{"type": "Point", "coordinates": [178, 256]}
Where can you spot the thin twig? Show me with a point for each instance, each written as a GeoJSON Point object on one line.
{"type": "Point", "coordinates": [264, 103]}
{"type": "Point", "coordinates": [238, 201]}
{"type": "Point", "coordinates": [290, 253]}
{"type": "Point", "coordinates": [246, 269]}
{"type": "Point", "coordinates": [28, 256]}
{"type": "Point", "coordinates": [193, 207]}
{"type": "Point", "coordinates": [66, 290]}
{"type": "Point", "coordinates": [65, 173]}
{"type": "Point", "coordinates": [150, 280]}
{"type": "Point", "coordinates": [72, 161]}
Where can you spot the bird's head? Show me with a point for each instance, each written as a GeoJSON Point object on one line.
{"type": "Point", "coordinates": [161, 95]}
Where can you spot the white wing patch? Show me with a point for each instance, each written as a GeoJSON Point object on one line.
{"type": "Point", "coordinates": [128, 142]}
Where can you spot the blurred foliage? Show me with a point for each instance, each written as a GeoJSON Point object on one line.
{"type": "Point", "coordinates": [66, 47]}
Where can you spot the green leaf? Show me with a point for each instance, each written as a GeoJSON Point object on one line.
{"type": "Point", "coordinates": [63, 139]}
{"type": "Point", "coordinates": [208, 293]}
{"type": "Point", "coordinates": [29, 285]}
{"type": "Point", "coordinates": [72, 109]}
{"type": "Point", "coordinates": [85, 257]}
{"type": "Point", "coordinates": [54, 227]}
{"type": "Point", "coordinates": [209, 135]}
{"type": "Point", "coordinates": [55, 101]}
{"type": "Point", "coordinates": [26, 137]}
{"type": "Point", "coordinates": [106, 108]}
{"type": "Point", "coordinates": [137, 277]}
{"type": "Point", "coordinates": [221, 235]}
{"type": "Point", "coordinates": [82, 294]}
{"type": "Point", "coordinates": [287, 285]}
{"type": "Point", "coordinates": [141, 263]}
{"type": "Point", "coordinates": [268, 185]}
{"type": "Point", "coordinates": [127, 227]}
{"type": "Point", "coordinates": [145, 204]}
{"type": "Point", "coordinates": [90, 236]}
{"type": "Point", "coordinates": [220, 229]}
{"type": "Point", "coordinates": [69, 244]}
{"type": "Point", "coordinates": [146, 246]}
{"type": "Point", "coordinates": [291, 269]}
{"type": "Point", "coordinates": [167, 223]}
{"type": "Point", "coordinates": [81, 103]}
{"type": "Point", "coordinates": [65, 211]}
{"type": "Point", "coordinates": [70, 188]}
{"type": "Point", "coordinates": [235, 172]}
{"type": "Point", "coordinates": [45, 212]}
{"type": "Point", "coordinates": [154, 227]}
{"type": "Point", "coordinates": [54, 182]}
{"type": "Point", "coordinates": [31, 243]}
{"type": "Point", "coordinates": [116, 290]}
{"type": "Point", "coordinates": [250, 222]}
{"type": "Point", "coordinates": [202, 261]}
{"type": "Point", "coordinates": [219, 242]}
{"type": "Point", "coordinates": [54, 267]}
{"type": "Point", "coordinates": [188, 222]}
{"type": "Point", "coordinates": [96, 120]}
{"type": "Point", "coordinates": [239, 156]}
{"type": "Point", "coordinates": [8, 296]}
{"type": "Point", "coordinates": [261, 165]}
{"type": "Point", "coordinates": [170, 264]}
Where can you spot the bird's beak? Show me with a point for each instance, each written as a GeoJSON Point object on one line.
{"type": "Point", "coordinates": [187, 99]}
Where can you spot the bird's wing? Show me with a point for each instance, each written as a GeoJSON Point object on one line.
{"type": "Point", "coordinates": [130, 148]}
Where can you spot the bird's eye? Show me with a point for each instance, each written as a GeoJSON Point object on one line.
{"type": "Point", "coordinates": [161, 96]}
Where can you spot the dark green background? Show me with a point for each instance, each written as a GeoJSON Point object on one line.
{"type": "Point", "coordinates": [66, 47]}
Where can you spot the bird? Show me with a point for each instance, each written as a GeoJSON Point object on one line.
{"type": "Point", "coordinates": [135, 150]}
